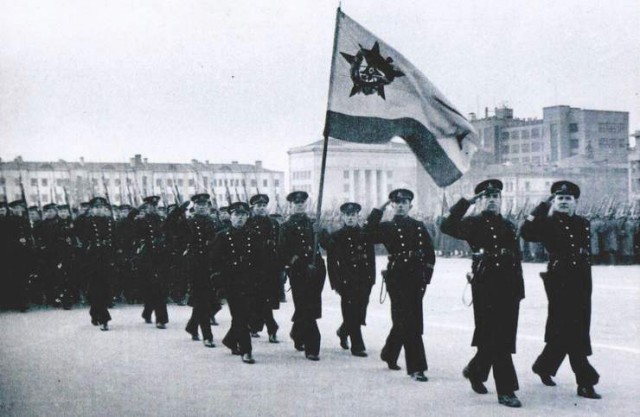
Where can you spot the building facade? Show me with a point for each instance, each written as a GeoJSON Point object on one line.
{"type": "Point", "coordinates": [354, 172]}
{"type": "Point", "coordinates": [129, 182]}
{"type": "Point", "coordinates": [589, 147]}
{"type": "Point", "coordinates": [562, 133]}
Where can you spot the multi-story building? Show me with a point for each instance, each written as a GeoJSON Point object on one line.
{"type": "Point", "coordinates": [588, 147]}
{"type": "Point", "coordinates": [634, 171]}
{"type": "Point", "coordinates": [128, 182]}
{"type": "Point", "coordinates": [354, 172]}
{"type": "Point", "coordinates": [563, 132]}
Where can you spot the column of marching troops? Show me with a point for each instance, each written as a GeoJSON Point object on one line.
{"type": "Point", "coordinates": [243, 255]}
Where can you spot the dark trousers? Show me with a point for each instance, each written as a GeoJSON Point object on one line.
{"type": "Point", "coordinates": [200, 317]}
{"type": "Point", "coordinates": [238, 335]}
{"type": "Point", "coordinates": [100, 298]}
{"type": "Point", "coordinates": [263, 315]}
{"type": "Point", "coordinates": [351, 323]}
{"type": "Point", "coordinates": [552, 356]}
{"type": "Point", "coordinates": [406, 330]}
{"type": "Point", "coordinates": [304, 331]}
{"type": "Point", "coordinates": [155, 300]}
{"type": "Point", "coordinates": [504, 372]}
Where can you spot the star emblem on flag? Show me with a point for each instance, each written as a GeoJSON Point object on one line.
{"type": "Point", "coordinates": [370, 71]}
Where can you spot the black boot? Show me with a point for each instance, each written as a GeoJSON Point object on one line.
{"type": "Point", "coordinates": [476, 385]}
{"type": "Point", "coordinates": [588, 392]}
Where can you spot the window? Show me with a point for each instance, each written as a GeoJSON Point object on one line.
{"type": "Point", "coordinates": [346, 187]}
{"type": "Point", "coordinates": [345, 175]}
{"type": "Point", "coordinates": [34, 182]}
{"type": "Point", "coordinates": [525, 147]}
{"type": "Point", "coordinates": [389, 175]}
{"type": "Point", "coordinates": [118, 182]}
{"type": "Point", "coordinates": [205, 180]}
{"type": "Point", "coordinates": [276, 183]}
{"type": "Point", "coordinates": [254, 183]}
{"type": "Point", "coordinates": [525, 160]}
{"type": "Point", "coordinates": [144, 180]}
{"type": "Point", "coordinates": [94, 181]}
{"type": "Point", "coordinates": [1, 180]}
{"type": "Point", "coordinates": [573, 127]}
{"type": "Point", "coordinates": [170, 183]}
{"type": "Point", "coordinates": [536, 147]}
{"type": "Point", "coordinates": [191, 182]}
{"type": "Point", "coordinates": [527, 185]}
{"type": "Point", "coordinates": [504, 149]}
{"type": "Point", "coordinates": [504, 135]}
{"type": "Point", "coordinates": [515, 134]}
{"type": "Point", "coordinates": [515, 148]}
{"type": "Point", "coordinates": [159, 182]}
{"type": "Point", "coordinates": [574, 143]}
{"type": "Point", "coordinates": [525, 134]}
{"type": "Point", "coordinates": [622, 143]}
{"type": "Point", "coordinates": [553, 130]}
{"type": "Point", "coordinates": [105, 181]}
{"type": "Point", "coordinates": [265, 183]}
{"type": "Point", "coordinates": [535, 160]}
{"type": "Point", "coordinates": [535, 132]}
{"type": "Point", "coordinates": [44, 182]}
{"type": "Point", "coordinates": [180, 182]}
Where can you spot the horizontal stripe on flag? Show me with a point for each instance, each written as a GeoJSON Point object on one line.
{"type": "Point", "coordinates": [422, 142]}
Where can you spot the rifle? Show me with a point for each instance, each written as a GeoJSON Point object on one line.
{"type": "Point", "coordinates": [177, 190]}
{"type": "Point", "coordinates": [106, 189]}
{"type": "Point", "coordinates": [4, 183]}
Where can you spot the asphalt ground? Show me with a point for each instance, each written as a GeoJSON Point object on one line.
{"type": "Point", "coordinates": [55, 363]}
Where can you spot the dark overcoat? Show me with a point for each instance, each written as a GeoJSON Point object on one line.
{"type": "Point", "coordinates": [568, 277]}
{"type": "Point", "coordinates": [497, 285]}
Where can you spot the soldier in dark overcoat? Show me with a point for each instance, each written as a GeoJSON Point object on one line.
{"type": "Point", "coordinates": [497, 287]}
{"type": "Point", "coordinates": [267, 231]}
{"type": "Point", "coordinates": [237, 257]}
{"type": "Point", "coordinates": [152, 261]}
{"type": "Point", "coordinates": [296, 247]}
{"type": "Point", "coordinates": [352, 272]}
{"type": "Point", "coordinates": [19, 246]}
{"type": "Point", "coordinates": [202, 234]}
{"type": "Point", "coordinates": [567, 282]}
{"type": "Point", "coordinates": [409, 271]}
{"type": "Point", "coordinates": [97, 240]}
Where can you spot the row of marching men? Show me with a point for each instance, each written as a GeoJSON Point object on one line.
{"type": "Point", "coordinates": [244, 260]}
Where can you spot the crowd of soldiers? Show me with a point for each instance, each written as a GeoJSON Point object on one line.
{"type": "Point", "coordinates": [202, 255]}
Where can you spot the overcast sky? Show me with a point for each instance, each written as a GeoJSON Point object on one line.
{"type": "Point", "coordinates": [247, 80]}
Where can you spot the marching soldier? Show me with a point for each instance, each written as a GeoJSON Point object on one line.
{"type": "Point", "coordinates": [67, 248]}
{"type": "Point", "coordinates": [97, 237]}
{"type": "Point", "coordinates": [152, 258]}
{"type": "Point", "coordinates": [411, 261]}
{"type": "Point", "coordinates": [266, 230]}
{"type": "Point", "coordinates": [567, 282]}
{"type": "Point", "coordinates": [237, 256]}
{"type": "Point", "coordinates": [497, 287]}
{"type": "Point", "coordinates": [352, 272]}
{"type": "Point", "coordinates": [296, 247]}
{"type": "Point", "coordinates": [178, 235]}
{"type": "Point", "coordinates": [125, 253]}
{"type": "Point", "coordinates": [19, 244]}
{"type": "Point", "coordinates": [202, 235]}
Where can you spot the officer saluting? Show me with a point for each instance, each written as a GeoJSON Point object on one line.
{"type": "Point", "coordinates": [497, 287]}
{"type": "Point", "coordinates": [237, 255]}
{"type": "Point", "coordinates": [411, 261]}
{"type": "Point", "coordinates": [352, 272]}
{"type": "Point", "coordinates": [567, 282]}
{"type": "Point", "coordinates": [307, 279]}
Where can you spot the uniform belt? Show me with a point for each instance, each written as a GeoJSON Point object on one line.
{"type": "Point", "coordinates": [483, 255]}
{"type": "Point", "coordinates": [356, 258]}
{"type": "Point", "coordinates": [407, 254]}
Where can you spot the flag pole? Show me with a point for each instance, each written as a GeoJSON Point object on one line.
{"type": "Point", "coordinates": [326, 141]}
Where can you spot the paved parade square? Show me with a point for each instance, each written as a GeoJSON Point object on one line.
{"type": "Point", "coordinates": [55, 363]}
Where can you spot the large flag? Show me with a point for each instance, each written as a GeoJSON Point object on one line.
{"type": "Point", "coordinates": [376, 94]}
